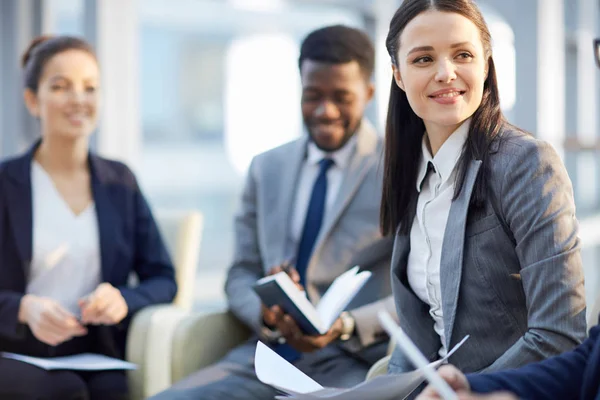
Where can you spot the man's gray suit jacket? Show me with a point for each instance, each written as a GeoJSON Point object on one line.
{"type": "Point", "coordinates": [349, 236]}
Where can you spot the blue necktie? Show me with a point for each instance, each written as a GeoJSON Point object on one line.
{"type": "Point", "coordinates": [312, 226]}
{"type": "Point", "coordinates": [314, 219]}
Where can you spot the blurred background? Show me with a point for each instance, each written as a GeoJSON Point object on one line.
{"type": "Point", "coordinates": [193, 89]}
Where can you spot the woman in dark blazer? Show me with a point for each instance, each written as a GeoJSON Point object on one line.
{"type": "Point", "coordinates": [73, 228]}
{"type": "Point", "coordinates": [486, 239]}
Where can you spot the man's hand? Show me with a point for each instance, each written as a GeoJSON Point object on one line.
{"type": "Point", "coordinates": [458, 381]}
{"type": "Point", "coordinates": [105, 306]}
{"type": "Point", "coordinates": [305, 343]}
{"type": "Point", "coordinates": [49, 322]}
{"type": "Point", "coordinates": [270, 315]}
{"type": "Point", "coordinates": [291, 271]}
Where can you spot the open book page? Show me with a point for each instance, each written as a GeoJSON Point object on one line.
{"type": "Point", "coordinates": [78, 362]}
{"type": "Point", "coordinates": [339, 294]}
{"type": "Point", "coordinates": [294, 301]}
{"type": "Point", "coordinates": [302, 302]}
{"type": "Point", "coordinates": [273, 370]}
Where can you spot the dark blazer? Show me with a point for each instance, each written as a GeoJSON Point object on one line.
{"type": "Point", "coordinates": [572, 375]}
{"type": "Point", "coordinates": [129, 242]}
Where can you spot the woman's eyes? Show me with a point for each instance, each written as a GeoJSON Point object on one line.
{"type": "Point", "coordinates": [422, 60]}
{"type": "Point", "coordinates": [465, 55]}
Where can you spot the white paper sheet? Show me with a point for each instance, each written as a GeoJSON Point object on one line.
{"type": "Point", "coordinates": [273, 370]}
{"type": "Point", "coordinates": [339, 294]}
{"type": "Point", "coordinates": [280, 374]}
{"type": "Point", "coordinates": [79, 362]}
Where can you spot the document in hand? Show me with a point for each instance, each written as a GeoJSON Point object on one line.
{"type": "Point", "coordinates": [78, 362]}
{"type": "Point", "coordinates": [279, 289]}
{"type": "Point", "coordinates": [273, 370]}
{"type": "Point", "coordinates": [416, 357]}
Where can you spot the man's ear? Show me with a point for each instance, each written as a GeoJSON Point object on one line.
{"type": "Point", "coordinates": [370, 91]}
{"type": "Point", "coordinates": [31, 102]}
{"type": "Point", "coordinates": [398, 77]}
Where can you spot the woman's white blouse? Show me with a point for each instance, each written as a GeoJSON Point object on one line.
{"type": "Point", "coordinates": [435, 184]}
{"type": "Point", "coordinates": [65, 262]}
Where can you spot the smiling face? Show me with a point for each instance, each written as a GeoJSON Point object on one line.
{"type": "Point", "coordinates": [334, 98]}
{"type": "Point", "coordinates": [67, 99]}
{"type": "Point", "coordinates": [442, 67]}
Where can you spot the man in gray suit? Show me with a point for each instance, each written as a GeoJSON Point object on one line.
{"type": "Point", "coordinates": [313, 203]}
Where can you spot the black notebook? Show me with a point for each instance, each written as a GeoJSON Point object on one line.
{"type": "Point", "coordinates": [279, 289]}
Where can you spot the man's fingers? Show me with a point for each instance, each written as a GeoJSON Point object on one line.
{"type": "Point", "coordinates": [275, 270]}
{"type": "Point", "coordinates": [293, 273]}
{"type": "Point", "coordinates": [285, 325]}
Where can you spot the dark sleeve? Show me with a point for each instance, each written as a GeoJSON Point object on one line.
{"type": "Point", "coordinates": [559, 377]}
{"type": "Point", "coordinates": [152, 263]}
{"type": "Point", "coordinates": [10, 301]}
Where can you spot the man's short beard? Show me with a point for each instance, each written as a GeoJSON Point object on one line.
{"type": "Point", "coordinates": [348, 133]}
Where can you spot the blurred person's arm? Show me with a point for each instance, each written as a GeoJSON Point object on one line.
{"type": "Point", "coordinates": [10, 300]}
{"type": "Point", "coordinates": [247, 265]}
{"type": "Point", "coordinates": [10, 303]}
{"type": "Point", "coordinates": [559, 377]}
{"type": "Point", "coordinates": [152, 263]}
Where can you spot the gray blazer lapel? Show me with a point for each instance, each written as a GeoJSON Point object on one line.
{"type": "Point", "coordinates": [451, 264]}
{"type": "Point", "coordinates": [357, 170]}
{"type": "Point", "coordinates": [281, 194]}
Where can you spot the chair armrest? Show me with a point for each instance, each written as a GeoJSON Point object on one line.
{"type": "Point", "coordinates": [379, 368]}
{"type": "Point", "coordinates": [149, 347]}
{"type": "Point", "coordinates": [201, 340]}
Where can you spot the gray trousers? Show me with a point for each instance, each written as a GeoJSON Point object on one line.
{"type": "Point", "coordinates": [233, 377]}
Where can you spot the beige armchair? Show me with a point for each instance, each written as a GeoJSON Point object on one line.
{"type": "Point", "coordinates": [168, 344]}
{"type": "Point", "coordinates": [201, 340]}
{"type": "Point", "coordinates": [153, 329]}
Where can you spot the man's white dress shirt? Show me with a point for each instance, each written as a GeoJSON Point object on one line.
{"type": "Point", "coordinates": [308, 176]}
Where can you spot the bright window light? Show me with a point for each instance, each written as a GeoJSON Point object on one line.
{"type": "Point", "coordinates": [262, 96]}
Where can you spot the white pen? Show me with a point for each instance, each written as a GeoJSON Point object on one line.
{"type": "Point", "coordinates": [415, 356]}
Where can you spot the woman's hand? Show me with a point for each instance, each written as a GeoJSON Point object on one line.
{"type": "Point", "coordinates": [49, 322]}
{"type": "Point", "coordinates": [105, 306]}
{"type": "Point", "coordinates": [452, 375]}
{"type": "Point", "coordinates": [458, 381]}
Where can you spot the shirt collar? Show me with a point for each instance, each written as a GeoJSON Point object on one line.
{"type": "Point", "coordinates": [340, 157]}
{"type": "Point", "coordinates": [447, 156]}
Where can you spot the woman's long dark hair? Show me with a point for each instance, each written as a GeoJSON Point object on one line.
{"type": "Point", "coordinates": [404, 129]}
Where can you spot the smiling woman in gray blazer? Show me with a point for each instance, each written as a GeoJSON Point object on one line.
{"type": "Point", "coordinates": [483, 214]}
